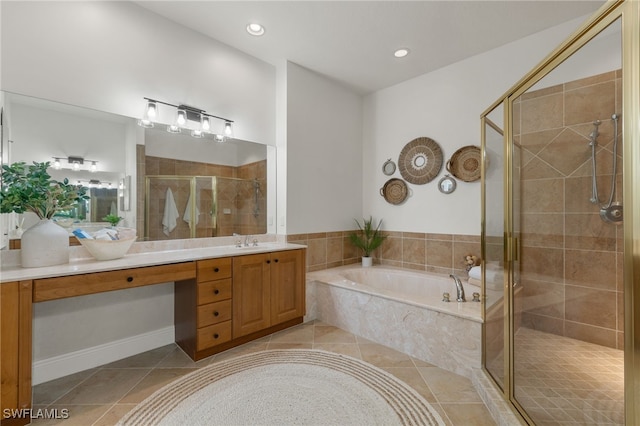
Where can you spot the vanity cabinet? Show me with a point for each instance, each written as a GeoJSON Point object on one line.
{"type": "Point", "coordinates": [268, 289]}
{"type": "Point", "coordinates": [238, 299]}
{"type": "Point", "coordinates": [15, 351]}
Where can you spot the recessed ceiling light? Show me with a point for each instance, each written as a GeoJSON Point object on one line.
{"type": "Point", "coordinates": [255, 29]}
{"type": "Point", "coordinates": [401, 53]}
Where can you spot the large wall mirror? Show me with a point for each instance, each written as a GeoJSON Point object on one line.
{"type": "Point", "coordinates": [217, 188]}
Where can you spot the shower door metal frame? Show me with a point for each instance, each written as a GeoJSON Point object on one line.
{"type": "Point", "coordinates": [628, 11]}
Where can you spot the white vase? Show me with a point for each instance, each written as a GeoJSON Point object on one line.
{"type": "Point", "coordinates": [367, 261]}
{"type": "Point", "coordinates": [44, 244]}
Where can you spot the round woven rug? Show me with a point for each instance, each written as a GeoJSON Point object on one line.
{"type": "Point", "coordinates": [286, 387]}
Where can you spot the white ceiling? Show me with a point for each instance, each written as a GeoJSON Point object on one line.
{"type": "Point", "coordinates": [353, 41]}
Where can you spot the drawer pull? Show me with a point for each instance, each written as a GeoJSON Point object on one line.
{"type": "Point", "coordinates": [268, 261]}
{"type": "Point", "coordinates": [129, 279]}
{"type": "Point", "coordinates": [216, 313]}
{"type": "Point", "coordinates": [216, 335]}
{"type": "Point", "coordinates": [216, 291]}
{"type": "Point", "coordinates": [216, 269]}
{"type": "Point", "coordinates": [276, 260]}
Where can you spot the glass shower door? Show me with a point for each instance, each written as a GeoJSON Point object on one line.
{"type": "Point", "coordinates": [567, 360]}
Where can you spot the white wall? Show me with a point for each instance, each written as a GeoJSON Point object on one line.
{"type": "Point", "coordinates": [444, 105]}
{"type": "Point", "coordinates": [109, 55]}
{"type": "Point", "coordinates": [324, 153]}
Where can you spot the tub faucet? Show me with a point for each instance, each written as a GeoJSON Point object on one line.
{"type": "Point", "coordinates": [459, 288]}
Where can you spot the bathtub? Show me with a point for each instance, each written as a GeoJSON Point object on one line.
{"type": "Point", "coordinates": [402, 309]}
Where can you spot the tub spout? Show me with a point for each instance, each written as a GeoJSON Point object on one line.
{"type": "Point", "coordinates": [459, 288]}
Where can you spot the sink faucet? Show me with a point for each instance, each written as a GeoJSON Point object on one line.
{"type": "Point", "coordinates": [247, 238]}
{"type": "Point", "coordinates": [459, 288]}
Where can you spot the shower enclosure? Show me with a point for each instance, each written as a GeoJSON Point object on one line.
{"type": "Point", "coordinates": [561, 229]}
{"type": "Point", "coordinates": [178, 207]}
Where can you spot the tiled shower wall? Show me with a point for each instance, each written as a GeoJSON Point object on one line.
{"type": "Point", "coordinates": [571, 262]}
{"type": "Point", "coordinates": [236, 203]}
{"type": "Point", "coordinates": [439, 253]}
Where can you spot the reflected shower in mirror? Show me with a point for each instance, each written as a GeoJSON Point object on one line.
{"type": "Point", "coordinates": [196, 188]}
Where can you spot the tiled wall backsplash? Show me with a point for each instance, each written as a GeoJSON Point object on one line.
{"type": "Point", "coordinates": [439, 253]}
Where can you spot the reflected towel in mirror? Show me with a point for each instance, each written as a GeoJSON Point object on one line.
{"type": "Point", "coordinates": [170, 217]}
{"type": "Point", "coordinates": [187, 212]}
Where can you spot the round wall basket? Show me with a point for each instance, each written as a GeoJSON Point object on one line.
{"type": "Point", "coordinates": [420, 161]}
{"type": "Point", "coordinates": [395, 191]}
{"type": "Point", "coordinates": [465, 163]}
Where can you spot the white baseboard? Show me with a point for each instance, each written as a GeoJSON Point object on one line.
{"type": "Point", "coordinates": [73, 362]}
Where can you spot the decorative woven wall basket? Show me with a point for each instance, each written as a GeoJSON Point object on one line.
{"type": "Point", "coordinates": [420, 161]}
{"type": "Point", "coordinates": [395, 191]}
{"type": "Point", "coordinates": [465, 163]}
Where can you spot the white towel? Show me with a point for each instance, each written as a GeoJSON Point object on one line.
{"type": "Point", "coordinates": [493, 277]}
{"type": "Point", "coordinates": [187, 212]}
{"type": "Point", "coordinates": [170, 217]}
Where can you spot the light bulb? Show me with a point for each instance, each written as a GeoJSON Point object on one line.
{"type": "Point", "coordinates": [145, 123]}
{"type": "Point", "coordinates": [94, 167]}
{"type": "Point", "coordinates": [197, 133]}
{"type": "Point", "coordinates": [206, 123]}
{"type": "Point", "coordinates": [56, 164]}
{"type": "Point", "coordinates": [152, 110]}
{"type": "Point", "coordinates": [228, 128]}
{"type": "Point", "coordinates": [173, 128]}
{"type": "Point", "coordinates": [75, 166]}
{"type": "Point", "coordinates": [181, 118]}
{"type": "Point", "coordinates": [219, 138]}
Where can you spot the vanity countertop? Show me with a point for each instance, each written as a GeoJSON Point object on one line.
{"type": "Point", "coordinates": [84, 265]}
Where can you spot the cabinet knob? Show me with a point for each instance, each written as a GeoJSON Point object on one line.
{"type": "Point", "coordinates": [129, 279]}
{"type": "Point", "coordinates": [216, 291]}
{"type": "Point", "coordinates": [216, 313]}
{"type": "Point", "coordinates": [216, 269]}
{"type": "Point", "coordinates": [276, 260]}
{"type": "Point", "coordinates": [268, 261]}
{"type": "Point", "coordinates": [215, 336]}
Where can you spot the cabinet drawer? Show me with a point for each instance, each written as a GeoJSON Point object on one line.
{"type": "Point", "coordinates": [214, 313]}
{"type": "Point", "coordinates": [214, 335]}
{"type": "Point", "coordinates": [214, 269]}
{"type": "Point", "coordinates": [214, 291]}
{"type": "Point", "coordinates": [98, 282]}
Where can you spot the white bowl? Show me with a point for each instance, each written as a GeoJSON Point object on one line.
{"type": "Point", "coordinates": [109, 250]}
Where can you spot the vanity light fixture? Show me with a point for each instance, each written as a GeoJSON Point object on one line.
{"type": "Point", "coordinates": [255, 29]}
{"type": "Point", "coordinates": [401, 53]}
{"type": "Point", "coordinates": [75, 164]}
{"type": "Point", "coordinates": [195, 120]}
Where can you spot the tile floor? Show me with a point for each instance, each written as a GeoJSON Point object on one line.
{"type": "Point", "coordinates": [563, 381]}
{"type": "Point", "coordinates": [101, 396]}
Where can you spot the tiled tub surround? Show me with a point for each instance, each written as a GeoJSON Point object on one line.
{"type": "Point", "coordinates": [439, 253]}
{"type": "Point", "coordinates": [414, 322]}
{"type": "Point", "coordinates": [571, 267]}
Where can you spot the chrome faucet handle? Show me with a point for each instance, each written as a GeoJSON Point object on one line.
{"type": "Point", "coordinates": [255, 242]}
{"type": "Point", "coordinates": [238, 244]}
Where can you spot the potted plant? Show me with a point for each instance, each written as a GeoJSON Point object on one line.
{"type": "Point", "coordinates": [113, 219]}
{"type": "Point", "coordinates": [368, 239]}
{"type": "Point", "coordinates": [31, 189]}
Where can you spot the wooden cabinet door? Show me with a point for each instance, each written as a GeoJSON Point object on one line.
{"type": "Point", "coordinates": [251, 294]}
{"type": "Point", "coordinates": [287, 286]}
{"type": "Point", "coordinates": [15, 346]}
